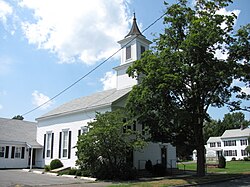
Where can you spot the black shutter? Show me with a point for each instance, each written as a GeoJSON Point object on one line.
{"type": "Point", "coordinates": [60, 143]}
{"type": "Point", "coordinates": [23, 151]}
{"type": "Point", "coordinates": [44, 145]}
{"type": "Point", "coordinates": [69, 147]}
{"type": "Point", "coordinates": [13, 152]}
{"type": "Point", "coordinates": [79, 132]}
{"type": "Point", "coordinates": [52, 145]}
{"type": "Point", "coordinates": [7, 152]}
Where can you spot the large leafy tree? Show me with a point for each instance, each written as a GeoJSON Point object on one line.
{"type": "Point", "coordinates": [105, 151]}
{"type": "Point", "coordinates": [240, 51]}
{"type": "Point", "coordinates": [182, 77]}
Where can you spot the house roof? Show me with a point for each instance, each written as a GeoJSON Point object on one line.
{"type": "Point", "coordinates": [213, 139]}
{"type": "Point", "coordinates": [235, 133]}
{"type": "Point", "coordinates": [12, 130]}
{"type": "Point", "coordinates": [93, 101]}
{"type": "Point", "coordinates": [134, 29]}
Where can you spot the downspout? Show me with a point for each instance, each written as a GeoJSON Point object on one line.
{"type": "Point", "coordinates": [31, 157]}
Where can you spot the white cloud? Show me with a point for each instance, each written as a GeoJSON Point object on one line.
{"type": "Point", "coordinates": [246, 90]}
{"type": "Point", "coordinates": [109, 80]}
{"type": "Point", "coordinates": [1, 107]}
{"type": "Point", "coordinates": [39, 99]}
{"type": "Point", "coordinates": [77, 30]}
{"type": "Point", "coordinates": [5, 11]}
{"type": "Point", "coordinates": [223, 11]}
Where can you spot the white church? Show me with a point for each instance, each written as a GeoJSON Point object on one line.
{"type": "Point", "coordinates": [58, 130]}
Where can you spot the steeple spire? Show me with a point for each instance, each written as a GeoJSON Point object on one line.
{"type": "Point", "coordinates": [134, 29]}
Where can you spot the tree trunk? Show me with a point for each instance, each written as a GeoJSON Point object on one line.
{"type": "Point", "coordinates": [200, 148]}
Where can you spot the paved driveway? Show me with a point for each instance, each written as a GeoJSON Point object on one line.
{"type": "Point", "coordinates": [13, 178]}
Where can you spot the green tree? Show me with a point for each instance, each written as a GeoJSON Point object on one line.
{"type": "Point", "coordinates": [240, 50]}
{"type": "Point", "coordinates": [212, 128]}
{"type": "Point", "coordinates": [182, 77]}
{"type": "Point", "coordinates": [106, 149]}
{"type": "Point", "coordinates": [18, 117]}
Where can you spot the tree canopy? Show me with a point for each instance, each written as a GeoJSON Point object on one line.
{"type": "Point", "coordinates": [105, 151]}
{"type": "Point", "coordinates": [182, 76]}
{"type": "Point", "coordinates": [18, 117]}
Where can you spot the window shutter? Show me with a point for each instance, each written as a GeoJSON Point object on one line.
{"type": "Point", "coordinates": [13, 152]}
{"type": "Point", "coordinates": [79, 132]}
{"type": "Point", "coordinates": [69, 148]}
{"type": "Point", "coordinates": [7, 152]}
{"type": "Point", "coordinates": [44, 145]}
{"type": "Point", "coordinates": [60, 143]}
{"type": "Point", "coordinates": [52, 145]}
{"type": "Point", "coordinates": [23, 152]}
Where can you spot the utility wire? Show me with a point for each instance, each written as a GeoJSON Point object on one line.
{"type": "Point", "coordinates": [92, 70]}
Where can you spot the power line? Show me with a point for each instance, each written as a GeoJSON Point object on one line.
{"type": "Point", "coordinates": [92, 70]}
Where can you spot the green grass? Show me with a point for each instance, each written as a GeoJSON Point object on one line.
{"type": "Point", "coordinates": [233, 169]}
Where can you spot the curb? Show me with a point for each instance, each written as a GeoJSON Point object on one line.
{"type": "Point", "coordinates": [53, 174]}
{"type": "Point", "coordinates": [38, 172]}
{"type": "Point", "coordinates": [69, 176]}
{"type": "Point", "coordinates": [88, 178]}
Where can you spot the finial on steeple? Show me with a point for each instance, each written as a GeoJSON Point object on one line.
{"type": "Point", "coordinates": [134, 29]}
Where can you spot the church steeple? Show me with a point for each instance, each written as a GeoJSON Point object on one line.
{"type": "Point", "coordinates": [133, 45]}
{"type": "Point", "coordinates": [134, 29]}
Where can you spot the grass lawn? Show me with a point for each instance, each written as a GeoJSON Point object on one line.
{"type": "Point", "coordinates": [233, 169]}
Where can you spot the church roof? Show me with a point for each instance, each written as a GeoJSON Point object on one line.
{"type": "Point", "coordinates": [134, 29]}
{"type": "Point", "coordinates": [93, 101]}
{"type": "Point", "coordinates": [19, 131]}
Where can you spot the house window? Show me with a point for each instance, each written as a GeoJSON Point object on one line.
{"type": "Point", "coordinates": [218, 144]}
{"type": "Point", "coordinates": [230, 153]}
{"type": "Point", "coordinates": [2, 149]}
{"type": "Point", "coordinates": [142, 49]}
{"type": "Point", "coordinates": [243, 142]}
{"type": "Point", "coordinates": [48, 144]}
{"type": "Point", "coordinates": [65, 139]}
{"type": "Point", "coordinates": [230, 143]}
{"type": "Point", "coordinates": [128, 52]}
{"type": "Point", "coordinates": [212, 144]}
{"type": "Point", "coordinates": [18, 152]}
{"type": "Point", "coordinates": [243, 153]}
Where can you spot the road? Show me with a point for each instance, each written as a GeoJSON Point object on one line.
{"type": "Point", "coordinates": [13, 178]}
{"type": "Point", "coordinates": [241, 182]}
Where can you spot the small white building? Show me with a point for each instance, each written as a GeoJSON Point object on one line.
{"type": "Point", "coordinates": [231, 144]}
{"type": "Point", "coordinates": [18, 143]}
{"type": "Point", "coordinates": [58, 130]}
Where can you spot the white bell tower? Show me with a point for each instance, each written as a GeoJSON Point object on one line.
{"type": "Point", "coordinates": [133, 45]}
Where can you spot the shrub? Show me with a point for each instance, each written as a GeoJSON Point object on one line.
{"type": "Point", "coordinates": [222, 162]}
{"type": "Point", "coordinates": [56, 163]}
{"type": "Point", "coordinates": [72, 171]}
{"type": "Point", "coordinates": [158, 170]}
{"type": "Point", "coordinates": [233, 159]}
{"type": "Point", "coordinates": [47, 168]}
{"type": "Point", "coordinates": [246, 158]}
{"type": "Point", "coordinates": [148, 165]}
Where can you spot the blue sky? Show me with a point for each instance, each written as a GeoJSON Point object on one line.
{"type": "Point", "coordinates": [47, 45]}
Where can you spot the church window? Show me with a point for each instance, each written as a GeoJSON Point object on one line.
{"type": "Point", "coordinates": [128, 52]}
